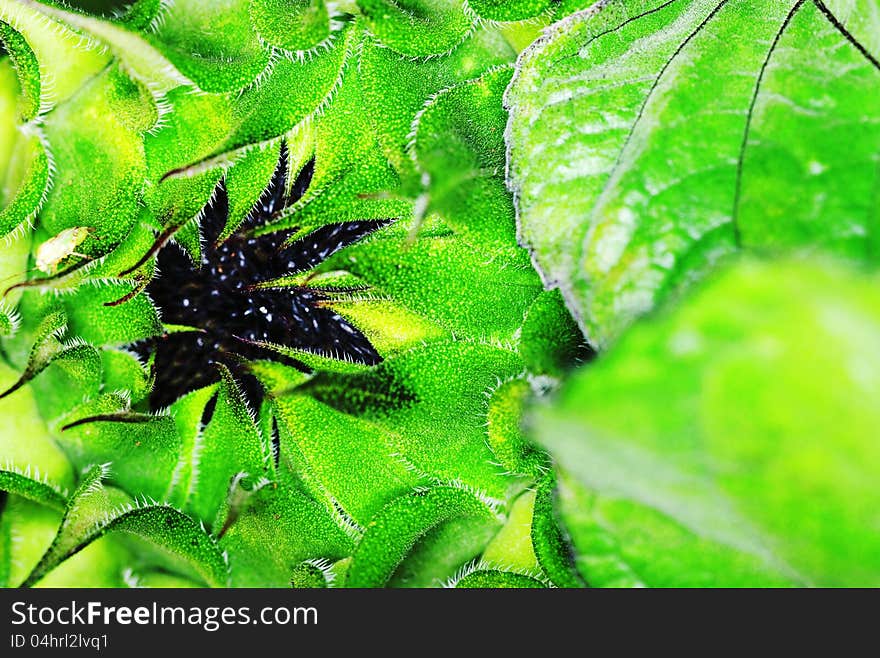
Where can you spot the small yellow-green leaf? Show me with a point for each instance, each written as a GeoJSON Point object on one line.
{"type": "Point", "coordinates": [513, 450]}
{"type": "Point", "coordinates": [553, 550]}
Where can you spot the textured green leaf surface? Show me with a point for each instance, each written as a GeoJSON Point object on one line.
{"type": "Point", "coordinates": [282, 526]}
{"type": "Point", "coordinates": [94, 319]}
{"type": "Point", "coordinates": [418, 28]}
{"type": "Point", "coordinates": [85, 509]}
{"type": "Point", "coordinates": [709, 451]}
{"type": "Point", "coordinates": [401, 524]}
{"type": "Point", "coordinates": [78, 359]}
{"type": "Point", "coordinates": [430, 403]}
{"type": "Point", "coordinates": [142, 448]}
{"type": "Point", "coordinates": [510, 446]}
{"type": "Point", "coordinates": [99, 156]}
{"type": "Point", "coordinates": [294, 25]}
{"type": "Point", "coordinates": [212, 44]}
{"type": "Point", "coordinates": [443, 278]}
{"type": "Point", "coordinates": [642, 153]}
{"type": "Point", "coordinates": [231, 444]}
{"type": "Point", "coordinates": [347, 459]}
{"type": "Point", "coordinates": [38, 490]}
{"type": "Point", "coordinates": [552, 549]}
{"type": "Point", "coordinates": [443, 550]}
{"type": "Point", "coordinates": [509, 10]}
{"type": "Point", "coordinates": [551, 342]}
{"type": "Point", "coordinates": [459, 146]}
{"type": "Point", "coordinates": [27, 70]}
{"type": "Point", "coordinates": [395, 88]}
{"type": "Point", "coordinates": [498, 579]}
{"type": "Point", "coordinates": [95, 510]}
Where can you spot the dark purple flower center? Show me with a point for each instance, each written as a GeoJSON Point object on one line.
{"type": "Point", "coordinates": [232, 318]}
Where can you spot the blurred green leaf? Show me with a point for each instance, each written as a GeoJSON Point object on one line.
{"type": "Point", "coordinates": [719, 444]}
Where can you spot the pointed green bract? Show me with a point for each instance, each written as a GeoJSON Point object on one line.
{"type": "Point", "coordinates": [98, 151]}
{"type": "Point", "coordinates": [632, 180]}
{"type": "Point", "coordinates": [230, 444]}
{"type": "Point", "coordinates": [430, 402]}
{"type": "Point", "coordinates": [396, 88]}
{"type": "Point", "coordinates": [443, 551]}
{"type": "Point", "coordinates": [390, 327]}
{"type": "Point", "coordinates": [293, 25]}
{"type": "Point", "coordinates": [458, 143]}
{"type": "Point", "coordinates": [85, 510]}
{"type": "Point", "coordinates": [211, 44]}
{"type": "Point", "coordinates": [498, 579]}
{"type": "Point", "coordinates": [418, 28]}
{"type": "Point", "coordinates": [104, 315]}
{"type": "Point", "coordinates": [401, 524]}
{"type": "Point", "coordinates": [95, 510]}
{"type": "Point", "coordinates": [177, 533]}
{"type": "Point", "coordinates": [281, 527]}
{"type": "Point", "coordinates": [246, 182]}
{"type": "Point", "coordinates": [37, 490]}
{"type": "Point", "coordinates": [76, 357]}
{"type": "Point", "coordinates": [27, 69]}
{"type": "Point", "coordinates": [345, 459]}
{"type": "Point", "coordinates": [189, 414]}
{"type": "Point", "coordinates": [190, 133]}
{"type": "Point", "coordinates": [446, 280]}
{"type": "Point", "coordinates": [294, 91]}
{"type": "Point", "coordinates": [142, 448]}
{"type": "Point", "coordinates": [123, 371]}
{"type": "Point", "coordinates": [509, 10]}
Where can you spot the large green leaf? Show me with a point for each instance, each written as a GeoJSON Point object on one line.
{"type": "Point", "coordinates": [733, 440]}
{"type": "Point", "coordinates": [642, 152]}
